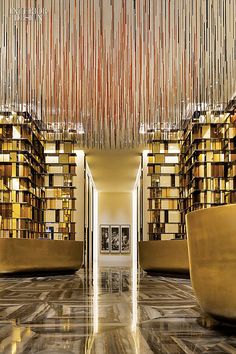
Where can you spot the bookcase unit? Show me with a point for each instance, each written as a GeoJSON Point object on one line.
{"type": "Point", "coordinates": [230, 157]}
{"type": "Point", "coordinates": [22, 169]}
{"type": "Point", "coordinates": [204, 177]}
{"type": "Point", "coordinates": [60, 200]}
{"type": "Point", "coordinates": [163, 201]}
{"type": "Point", "coordinates": [191, 170]}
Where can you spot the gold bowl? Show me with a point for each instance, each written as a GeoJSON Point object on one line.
{"type": "Point", "coordinates": [212, 256]}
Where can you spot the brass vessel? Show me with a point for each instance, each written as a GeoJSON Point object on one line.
{"type": "Point", "coordinates": [164, 256]}
{"type": "Point", "coordinates": [29, 255]}
{"type": "Point", "coordinates": [212, 256]}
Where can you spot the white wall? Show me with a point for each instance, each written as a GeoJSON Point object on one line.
{"type": "Point", "coordinates": [78, 181]}
{"type": "Point", "coordinates": [115, 208]}
{"type": "Point", "coordinates": [90, 220]}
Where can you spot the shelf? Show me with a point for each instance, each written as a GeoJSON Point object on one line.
{"type": "Point", "coordinates": [167, 152]}
{"type": "Point", "coordinates": [60, 155]}
{"type": "Point", "coordinates": [24, 179]}
{"type": "Point", "coordinates": [21, 177]}
{"type": "Point", "coordinates": [205, 183]}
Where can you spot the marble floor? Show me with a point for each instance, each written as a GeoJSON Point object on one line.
{"type": "Point", "coordinates": [117, 311]}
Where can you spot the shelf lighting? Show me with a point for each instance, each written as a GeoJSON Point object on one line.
{"type": "Point", "coordinates": [80, 129]}
{"type": "Point", "coordinates": [142, 128]}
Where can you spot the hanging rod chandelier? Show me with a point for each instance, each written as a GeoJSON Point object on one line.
{"type": "Point", "coordinates": [113, 69]}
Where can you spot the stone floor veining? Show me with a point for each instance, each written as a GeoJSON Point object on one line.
{"type": "Point", "coordinates": [114, 312]}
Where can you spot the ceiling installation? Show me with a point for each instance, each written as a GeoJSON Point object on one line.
{"type": "Point", "coordinates": [110, 69]}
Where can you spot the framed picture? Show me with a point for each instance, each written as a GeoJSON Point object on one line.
{"type": "Point", "coordinates": [104, 239]}
{"type": "Point", "coordinates": [115, 239]}
{"type": "Point", "coordinates": [125, 238]}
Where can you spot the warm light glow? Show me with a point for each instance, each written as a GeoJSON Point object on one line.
{"type": "Point", "coordinates": [95, 263]}
{"type": "Point", "coordinates": [142, 128]}
{"type": "Point", "coordinates": [134, 328]}
{"type": "Point", "coordinates": [134, 251]}
{"type": "Point", "coordinates": [13, 348]}
{"type": "Point", "coordinates": [134, 260]}
{"type": "Point", "coordinates": [79, 153]}
{"type": "Point", "coordinates": [145, 152]}
{"type": "Point", "coordinates": [15, 184]}
{"type": "Point", "coordinates": [95, 223]}
{"type": "Point", "coordinates": [80, 129]}
{"type": "Point", "coordinates": [95, 253]}
{"type": "Point", "coordinates": [4, 157]}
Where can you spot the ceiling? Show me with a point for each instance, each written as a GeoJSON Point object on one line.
{"type": "Point", "coordinates": [114, 65]}
{"type": "Point", "coordinates": [114, 170]}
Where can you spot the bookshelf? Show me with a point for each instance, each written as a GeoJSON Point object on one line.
{"type": "Point", "coordinates": [204, 158]}
{"type": "Point", "coordinates": [163, 200]}
{"type": "Point", "coordinates": [60, 199]}
{"type": "Point", "coordinates": [36, 181]}
{"type": "Point", "coordinates": [191, 170]}
{"type": "Point", "coordinates": [36, 198]}
{"type": "Point", "coordinates": [230, 155]}
{"type": "Point", "coordinates": [22, 170]}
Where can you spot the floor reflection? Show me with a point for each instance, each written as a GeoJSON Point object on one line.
{"type": "Point", "coordinates": [116, 311]}
{"type": "Point", "coordinates": [113, 280]}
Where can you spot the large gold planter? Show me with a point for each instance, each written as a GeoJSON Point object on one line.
{"type": "Point", "coordinates": [21, 255]}
{"type": "Point", "coordinates": [212, 255]}
{"type": "Point", "coordinates": [164, 256]}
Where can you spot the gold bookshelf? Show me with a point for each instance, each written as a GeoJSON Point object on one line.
{"type": "Point", "coordinates": [230, 155]}
{"type": "Point", "coordinates": [204, 162]}
{"type": "Point", "coordinates": [200, 174]}
{"type": "Point", "coordinates": [22, 169]}
{"type": "Point", "coordinates": [29, 210]}
{"type": "Point", "coordinates": [163, 201]}
{"type": "Point", "coordinates": [60, 200]}
{"type": "Point", "coordinates": [36, 181]}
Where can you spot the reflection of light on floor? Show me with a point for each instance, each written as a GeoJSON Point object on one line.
{"type": "Point", "coordinates": [134, 301]}
{"type": "Point", "coordinates": [90, 340]}
{"type": "Point", "coordinates": [95, 297]}
{"type": "Point", "coordinates": [13, 348]}
{"type": "Point", "coordinates": [95, 264]}
{"type": "Point", "coordinates": [134, 328]}
{"type": "Point", "coordinates": [134, 266]}
{"type": "Point", "coordinates": [16, 338]}
{"type": "Point", "coordinates": [66, 325]}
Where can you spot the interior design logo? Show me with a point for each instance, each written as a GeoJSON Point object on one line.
{"type": "Point", "coordinates": [28, 14]}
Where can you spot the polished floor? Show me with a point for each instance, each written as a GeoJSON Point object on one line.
{"type": "Point", "coordinates": [114, 312]}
